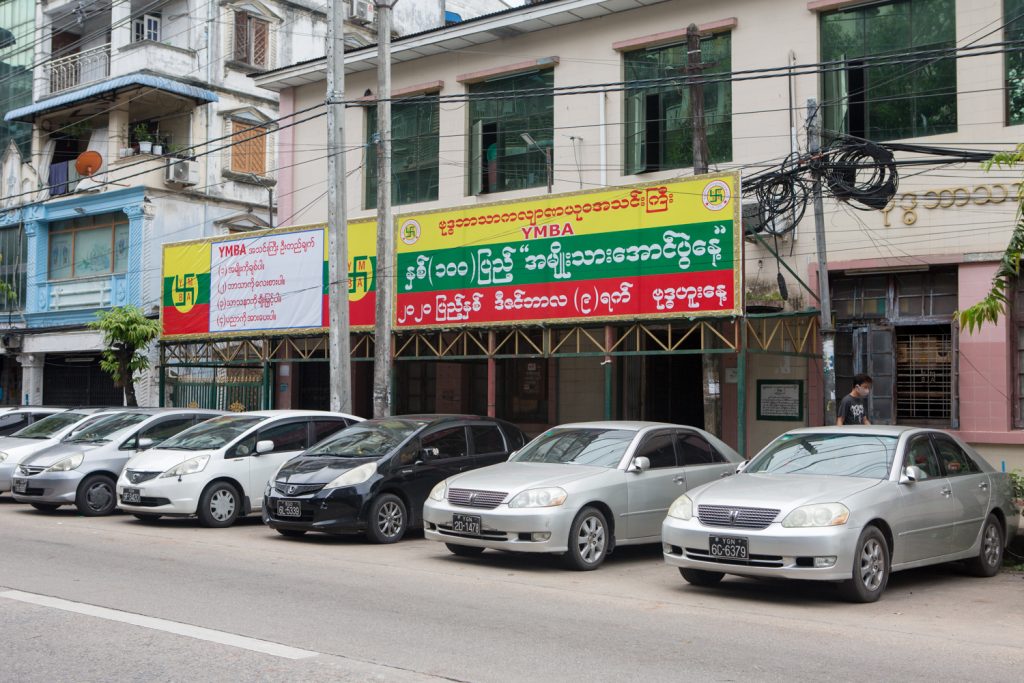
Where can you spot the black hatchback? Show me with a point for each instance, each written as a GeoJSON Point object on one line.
{"type": "Point", "coordinates": [374, 476]}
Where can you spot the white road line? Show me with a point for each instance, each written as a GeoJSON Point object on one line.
{"type": "Point", "coordinates": [199, 633]}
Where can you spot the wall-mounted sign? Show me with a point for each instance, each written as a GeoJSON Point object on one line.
{"type": "Point", "coordinates": [780, 399]}
{"type": "Point", "coordinates": [647, 251]}
{"type": "Point", "coordinates": [908, 205]}
{"type": "Point", "coordinates": [266, 282]}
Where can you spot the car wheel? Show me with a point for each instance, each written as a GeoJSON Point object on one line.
{"type": "Point", "coordinates": [870, 568]}
{"type": "Point", "coordinates": [291, 533]}
{"type": "Point", "coordinates": [96, 496]}
{"type": "Point", "coordinates": [388, 519]}
{"type": "Point", "coordinates": [45, 507]}
{"type": "Point", "coordinates": [463, 550]}
{"type": "Point", "coordinates": [990, 556]}
{"type": "Point", "coordinates": [146, 518]}
{"type": "Point", "coordinates": [589, 540]}
{"type": "Point", "coordinates": [219, 505]}
{"type": "Point", "coordinates": [699, 577]}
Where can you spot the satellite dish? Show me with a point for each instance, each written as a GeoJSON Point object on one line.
{"type": "Point", "coordinates": [88, 162]}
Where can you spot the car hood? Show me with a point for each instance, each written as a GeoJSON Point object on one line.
{"type": "Point", "coordinates": [318, 469]}
{"type": "Point", "coordinates": [782, 491]}
{"type": "Point", "coordinates": [19, 449]}
{"type": "Point", "coordinates": [516, 476]}
{"type": "Point", "coordinates": [159, 460]}
{"type": "Point", "coordinates": [56, 453]}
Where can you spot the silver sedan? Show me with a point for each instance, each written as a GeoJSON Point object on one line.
{"type": "Point", "coordinates": [577, 490]}
{"type": "Point", "coordinates": [846, 504]}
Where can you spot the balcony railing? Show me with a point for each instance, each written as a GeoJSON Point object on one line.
{"type": "Point", "coordinates": [80, 68]}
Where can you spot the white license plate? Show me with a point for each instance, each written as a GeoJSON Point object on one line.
{"type": "Point", "coordinates": [289, 508]}
{"type": "Point", "coordinates": [20, 485]}
{"type": "Point", "coordinates": [131, 496]}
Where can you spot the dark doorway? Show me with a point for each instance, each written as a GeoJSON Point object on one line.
{"type": "Point", "coordinates": [78, 380]}
{"type": "Point", "coordinates": [674, 391]}
{"type": "Point", "coordinates": [312, 385]}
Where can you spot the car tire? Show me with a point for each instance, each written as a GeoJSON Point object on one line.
{"type": "Point", "coordinates": [388, 519]}
{"type": "Point", "coordinates": [149, 519]}
{"type": "Point", "coordinates": [291, 533]}
{"type": "Point", "coordinates": [97, 496]}
{"type": "Point", "coordinates": [990, 555]}
{"type": "Point", "coordinates": [589, 540]}
{"type": "Point", "coordinates": [219, 505]}
{"type": "Point", "coordinates": [700, 577]}
{"type": "Point", "coordinates": [463, 550]}
{"type": "Point", "coordinates": [45, 507]}
{"type": "Point", "coordinates": [870, 568]}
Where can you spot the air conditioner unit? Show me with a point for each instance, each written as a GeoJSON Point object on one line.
{"type": "Point", "coordinates": [182, 172]}
{"type": "Point", "coordinates": [362, 11]}
{"type": "Point", "coordinates": [10, 341]}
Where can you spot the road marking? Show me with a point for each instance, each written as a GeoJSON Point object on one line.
{"type": "Point", "coordinates": [198, 632]}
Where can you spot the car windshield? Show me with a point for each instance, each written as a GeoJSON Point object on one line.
{"type": "Point", "coordinates": [215, 433]}
{"type": "Point", "coordinates": [596, 447]}
{"type": "Point", "coordinates": [98, 432]}
{"type": "Point", "coordinates": [841, 455]}
{"type": "Point", "coordinates": [373, 438]}
{"type": "Point", "coordinates": [49, 427]}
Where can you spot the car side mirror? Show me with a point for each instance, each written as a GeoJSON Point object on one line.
{"type": "Point", "coordinates": [742, 466]}
{"type": "Point", "coordinates": [640, 464]}
{"type": "Point", "coordinates": [264, 446]}
{"type": "Point", "coordinates": [912, 473]}
{"type": "Point", "coordinates": [145, 442]}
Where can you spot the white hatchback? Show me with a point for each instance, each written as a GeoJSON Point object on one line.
{"type": "Point", "coordinates": [219, 469]}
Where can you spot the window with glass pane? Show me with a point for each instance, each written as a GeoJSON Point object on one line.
{"type": "Point", "coordinates": [88, 246]}
{"type": "Point", "coordinates": [1013, 15]}
{"type": "Point", "coordinates": [868, 96]}
{"type": "Point", "coordinates": [13, 256]}
{"type": "Point", "coordinates": [17, 19]}
{"type": "Point", "coordinates": [500, 111]}
{"type": "Point", "coordinates": [659, 120]}
{"type": "Point", "coordinates": [926, 294]}
{"type": "Point", "coordinates": [414, 151]}
{"type": "Point", "coordinates": [860, 297]}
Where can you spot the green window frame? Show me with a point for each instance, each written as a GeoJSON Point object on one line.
{"type": "Point", "coordinates": [501, 110]}
{"type": "Point", "coordinates": [13, 267]}
{"type": "Point", "coordinates": [871, 97]}
{"type": "Point", "coordinates": [415, 139]}
{"type": "Point", "coordinates": [1013, 62]}
{"type": "Point", "coordinates": [89, 246]}
{"type": "Point", "coordinates": [658, 134]}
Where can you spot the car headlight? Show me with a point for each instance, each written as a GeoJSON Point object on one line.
{"type": "Point", "coordinates": [3, 456]}
{"type": "Point", "coordinates": [439, 491]}
{"type": "Point", "coordinates": [681, 508]}
{"type": "Point", "coordinates": [190, 466]}
{"type": "Point", "coordinates": [356, 475]}
{"type": "Point", "coordinates": [819, 514]}
{"type": "Point", "coordinates": [539, 498]}
{"type": "Point", "coordinates": [67, 464]}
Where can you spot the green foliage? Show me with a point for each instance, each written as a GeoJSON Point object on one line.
{"type": "Point", "coordinates": [996, 302]}
{"type": "Point", "coordinates": [6, 291]}
{"type": "Point", "coordinates": [126, 334]}
{"type": "Point", "coordinates": [1017, 477]}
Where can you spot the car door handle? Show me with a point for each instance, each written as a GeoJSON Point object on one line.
{"type": "Point", "coordinates": [723, 475]}
{"type": "Point", "coordinates": [983, 486]}
{"type": "Point", "coordinates": [679, 480]}
{"type": "Point", "coordinates": [946, 491]}
{"type": "Point", "coordinates": [407, 470]}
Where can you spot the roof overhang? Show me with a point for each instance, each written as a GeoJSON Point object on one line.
{"type": "Point", "coordinates": [111, 85]}
{"type": "Point", "coordinates": [465, 35]}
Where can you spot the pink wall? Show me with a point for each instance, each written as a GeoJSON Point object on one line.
{"type": "Point", "coordinates": [285, 159]}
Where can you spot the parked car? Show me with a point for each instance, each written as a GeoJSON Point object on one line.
{"type": "Point", "coordinates": [846, 504]}
{"type": "Point", "coordinates": [217, 470]}
{"type": "Point", "coordinates": [42, 434]}
{"type": "Point", "coordinates": [82, 470]}
{"type": "Point", "coordinates": [577, 490]}
{"type": "Point", "coordinates": [373, 477]}
{"type": "Point", "coordinates": [18, 417]}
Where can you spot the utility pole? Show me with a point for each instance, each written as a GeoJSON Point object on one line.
{"type": "Point", "coordinates": [385, 224]}
{"type": "Point", "coordinates": [709, 362]}
{"type": "Point", "coordinates": [340, 343]}
{"type": "Point", "coordinates": [828, 334]}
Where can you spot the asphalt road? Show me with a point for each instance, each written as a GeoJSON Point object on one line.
{"type": "Point", "coordinates": [116, 599]}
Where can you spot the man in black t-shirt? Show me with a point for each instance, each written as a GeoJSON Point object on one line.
{"type": "Point", "coordinates": [853, 409]}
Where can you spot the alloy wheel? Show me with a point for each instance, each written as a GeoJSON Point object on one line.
{"type": "Point", "coordinates": [591, 540]}
{"type": "Point", "coordinates": [99, 496]}
{"type": "Point", "coordinates": [389, 518]}
{"type": "Point", "coordinates": [872, 564]}
{"type": "Point", "coordinates": [992, 544]}
{"type": "Point", "coordinates": [222, 505]}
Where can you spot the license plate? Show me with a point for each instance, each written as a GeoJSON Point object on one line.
{"type": "Point", "coordinates": [289, 508]}
{"type": "Point", "coordinates": [466, 524]}
{"type": "Point", "coordinates": [131, 496]}
{"type": "Point", "coordinates": [20, 485]}
{"type": "Point", "coordinates": [729, 547]}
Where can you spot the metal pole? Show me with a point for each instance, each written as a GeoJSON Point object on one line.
{"type": "Point", "coordinates": [340, 344]}
{"type": "Point", "coordinates": [385, 225]}
{"type": "Point", "coordinates": [828, 359]}
{"type": "Point", "coordinates": [741, 391]}
{"type": "Point", "coordinates": [547, 164]}
{"type": "Point", "coordinates": [270, 205]}
{"type": "Point", "coordinates": [163, 377]}
{"type": "Point", "coordinates": [492, 375]}
{"type": "Point", "coordinates": [609, 338]}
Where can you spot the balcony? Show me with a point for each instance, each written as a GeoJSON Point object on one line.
{"type": "Point", "coordinates": [63, 178]}
{"type": "Point", "coordinates": [80, 68]}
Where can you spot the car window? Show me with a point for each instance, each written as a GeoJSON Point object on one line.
{"type": "Point", "coordinates": [290, 436]}
{"type": "Point", "coordinates": [450, 443]}
{"type": "Point", "coordinates": [40, 416]}
{"type": "Point", "coordinates": [953, 458]}
{"type": "Point", "coordinates": [12, 423]}
{"type": "Point", "coordinates": [920, 454]}
{"type": "Point", "coordinates": [594, 447]}
{"type": "Point", "coordinates": [659, 449]}
{"type": "Point", "coordinates": [104, 430]}
{"type": "Point", "coordinates": [487, 439]}
{"type": "Point", "coordinates": [214, 433]}
{"type": "Point", "coordinates": [693, 450]}
{"type": "Point", "coordinates": [514, 436]}
{"type": "Point", "coordinates": [832, 454]}
{"type": "Point", "coordinates": [165, 429]}
{"type": "Point", "coordinates": [50, 426]}
{"type": "Point", "coordinates": [324, 428]}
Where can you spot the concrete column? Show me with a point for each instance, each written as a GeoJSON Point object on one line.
{"type": "Point", "coordinates": [31, 378]}
{"type": "Point", "coordinates": [117, 132]}
{"type": "Point", "coordinates": [120, 27]}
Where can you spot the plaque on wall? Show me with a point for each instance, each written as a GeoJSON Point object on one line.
{"type": "Point", "coordinates": [780, 399]}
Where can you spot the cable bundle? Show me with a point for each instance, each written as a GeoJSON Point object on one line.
{"type": "Point", "coordinates": [861, 173]}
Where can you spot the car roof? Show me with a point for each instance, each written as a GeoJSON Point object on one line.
{"type": "Point", "coordinates": [294, 413]}
{"type": "Point", "coordinates": [630, 425]}
{"type": "Point", "coordinates": [875, 430]}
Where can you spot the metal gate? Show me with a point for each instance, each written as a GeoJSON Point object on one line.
{"type": "Point", "coordinates": [235, 389]}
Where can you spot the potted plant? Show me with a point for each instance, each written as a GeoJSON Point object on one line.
{"type": "Point", "coordinates": [144, 138]}
{"type": "Point", "coordinates": [158, 147]}
{"type": "Point", "coordinates": [763, 297]}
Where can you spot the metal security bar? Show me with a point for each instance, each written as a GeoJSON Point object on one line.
{"type": "Point", "coordinates": [923, 377]}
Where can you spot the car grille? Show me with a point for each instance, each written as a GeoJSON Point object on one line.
{"type": "Point", "coordinates": [32, 492]}
{"type": "Point", "coordinates": [752, 561]}
{"type": "Point", "coordinates": [744, 518]}
{"type": "Point", "coordinates": [149, 502]}
{"type": "Point", "coordinates": [138, 476]}
{"type": "Point", "coordinates": [470, 498]}
{"type": "Point", "coordinates": [286, 489]}
{"type": "Point", "coordinates": [29, 470]}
